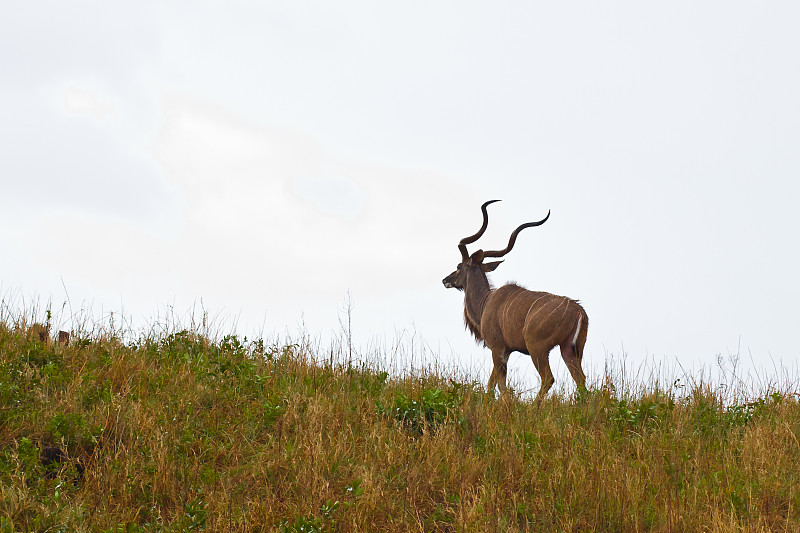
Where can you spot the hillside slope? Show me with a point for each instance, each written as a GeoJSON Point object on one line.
{"type": "Point", "coordinates": [182, 433]}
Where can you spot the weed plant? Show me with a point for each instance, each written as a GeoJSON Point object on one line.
{"type": "Point", "coordinates": [181, 432]}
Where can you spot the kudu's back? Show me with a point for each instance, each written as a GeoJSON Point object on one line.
{"type": "Point", "coordinates": [531, 322]}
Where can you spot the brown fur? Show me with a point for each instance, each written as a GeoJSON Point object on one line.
{"type": "Point", "coordinates": [474, 327]}
{"type": "Point", "coordinates": [514, 319]}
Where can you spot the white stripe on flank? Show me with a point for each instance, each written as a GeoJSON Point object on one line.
{"type": "Point", "coordinates": [509, 304]}
{"type": "Point", "coordinates": [531, 307]}
{"type": "Point", "coordinates": [577, 330]}
{"type": "Point", "coordinates": [556, 307]}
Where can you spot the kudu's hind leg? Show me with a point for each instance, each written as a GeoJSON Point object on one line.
{"type": "Point", "coordinates": [498, 376]}
{"type": "Point", "coordinates": [568, 353]}
{"type": "Point", "coordinates": [542, 363]}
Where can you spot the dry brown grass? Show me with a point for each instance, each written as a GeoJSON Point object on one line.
{"type": "Point", "coordinates": [180, 433]}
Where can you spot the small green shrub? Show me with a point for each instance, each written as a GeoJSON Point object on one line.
{"type": "Point", "coordinates": [73, 431]}
{"type": "Point", "coordinates": [641, 414]}
{"type": "Point", "coordinates": [427, 412]}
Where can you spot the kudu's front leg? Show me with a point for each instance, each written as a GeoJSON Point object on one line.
{"type": "Point", "coordinates": [498, 376]}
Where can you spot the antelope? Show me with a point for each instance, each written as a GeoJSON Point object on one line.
{"type": "Point", "coordinates": [514, 319]}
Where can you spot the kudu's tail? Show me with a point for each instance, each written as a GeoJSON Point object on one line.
{"type": "Point", "coordinates": [579, 337]}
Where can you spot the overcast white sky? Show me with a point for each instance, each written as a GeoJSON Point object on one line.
{"type": "Point", "coordinates": [266, 158]}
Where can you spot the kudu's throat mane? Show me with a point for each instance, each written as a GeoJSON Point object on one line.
{"type": "Point", "coordinates": [476, 293]}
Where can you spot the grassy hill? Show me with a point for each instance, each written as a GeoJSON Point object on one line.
{"type": "Point", "coordinates": [180, 432]}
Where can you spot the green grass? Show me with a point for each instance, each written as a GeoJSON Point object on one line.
{"type": "Point", "coordinates": [180, 432]}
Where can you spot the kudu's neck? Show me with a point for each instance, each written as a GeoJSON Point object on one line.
{"type": "Point", "coordinates": [476, 291]}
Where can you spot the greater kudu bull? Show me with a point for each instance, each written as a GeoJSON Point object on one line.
{"type": "Point", "coordinates": [514, 319]}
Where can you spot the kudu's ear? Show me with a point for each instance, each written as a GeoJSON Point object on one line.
{"type": "Point", "coordinates": [476, 258]}
{"type": "Point", "coordinates": [489, 267]}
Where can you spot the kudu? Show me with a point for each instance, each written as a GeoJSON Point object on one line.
{"type": "Point", "coordinates": [514, 319]}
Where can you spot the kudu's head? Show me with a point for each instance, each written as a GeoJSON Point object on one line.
{"type": "Point", "coordinates": [473, 264]}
